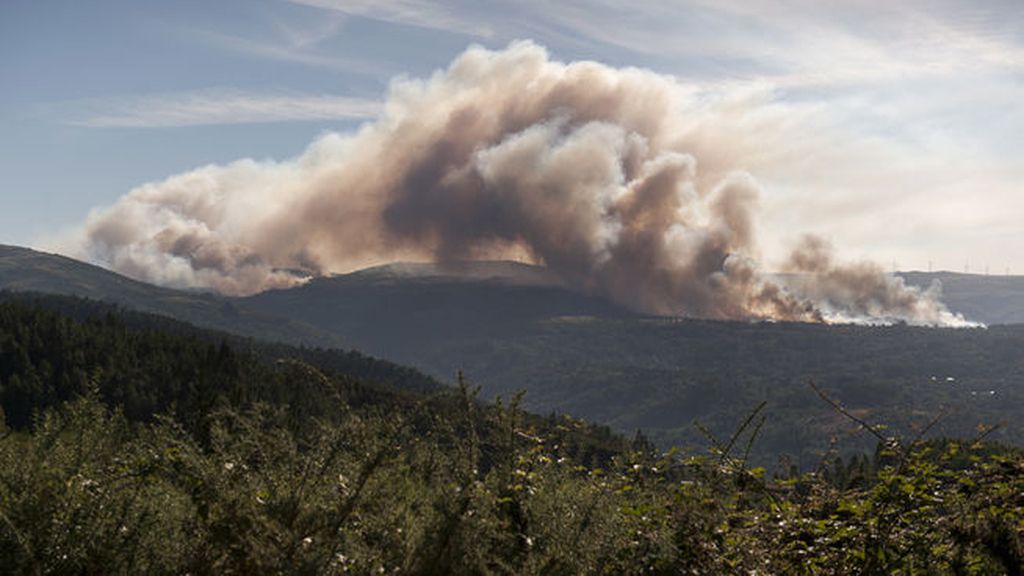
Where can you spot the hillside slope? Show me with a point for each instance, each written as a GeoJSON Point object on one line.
{"type": "Point", "coordinates": [54, 349]}
{"type": "Point", "coordinates": [513, 327]}
{"type": "Point", "coordinates": [982, 298]}
{"type": "Point", "coordinates": [25, 270]}
{"type": "Point", "coordinates": [393, 310]}
{"type": "Point", "coordinates": [510, 328]}
{"type": "Point", "coordinates": [154, 452]}
{"type": "Point", "coordinates": [662, 376]}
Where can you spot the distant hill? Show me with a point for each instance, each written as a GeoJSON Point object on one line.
{"type": "Point", "coordinates": [25, 270]}
{"type": "Point", "coordinates": [512, 326]}
{"type": "Point", "coordinates": [982, 298]}
{"type": "Point", "coordinates": [504, 272]}
{"type": "Point", "coordinates": [588, 358]}
{"type": "Point", "coordinates": [392, 310]}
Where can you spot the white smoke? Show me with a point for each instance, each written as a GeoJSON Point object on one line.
{"type": "Point", "coordinates": [623, 182]}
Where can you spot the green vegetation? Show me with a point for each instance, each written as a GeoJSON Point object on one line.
{"type": "Point", "coordinates": [159, 451]}
{"type": "Point", "coordinates": [509, 329]}
{"type": "Point", "coordinates": [88, 492]}
{"type": "Point", "coordinates": [149, 365]}
{"type": "Point", "coordinates": [662, 376]}
{"type": "Point", "coordinates": [574, 355]}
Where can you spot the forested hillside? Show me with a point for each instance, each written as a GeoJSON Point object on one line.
{"type": "Point", "coordinates": [663, 375]}
{"type": "Point", "coordinates": [155, 450]}
{"type": "Point", "coordinates": [512, 327]}
{"type": "Point", "coordinates": [53, 349]}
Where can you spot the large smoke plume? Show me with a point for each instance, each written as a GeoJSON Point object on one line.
{"type": "Point", "coordinates": [621, 181]}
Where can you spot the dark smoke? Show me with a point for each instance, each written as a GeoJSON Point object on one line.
{"type": "Point", "coordinates": [621, 182]}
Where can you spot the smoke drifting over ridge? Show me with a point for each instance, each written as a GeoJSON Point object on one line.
{"type": "Point", "coordinates": [623, 182]}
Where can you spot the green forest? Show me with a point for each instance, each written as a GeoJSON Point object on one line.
{"type": "Point", "coordinates": [135, 444]}
{"type": "Point", "coordinates": [508, 331]}
{"type": "Point", "coordinates": [583, 356]}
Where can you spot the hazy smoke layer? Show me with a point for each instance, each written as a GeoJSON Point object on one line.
{"type": "Point", "coordinates": [589, 170]}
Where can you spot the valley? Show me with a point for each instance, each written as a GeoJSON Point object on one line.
{"type": "Point", "coordinates": [511, 327]}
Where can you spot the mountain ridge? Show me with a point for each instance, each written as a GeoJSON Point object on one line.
{"type": "Point", "coordinates": [990, 299]}
{"type": "Point", "coordinates": [499, 271]}
{"type": "Point", "coordinates": [587, 357]}
{"type": "Point", "coordinates": [27, 270]}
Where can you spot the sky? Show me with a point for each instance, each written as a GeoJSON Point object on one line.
{"type": "Point", "coordinates": [896, 125]}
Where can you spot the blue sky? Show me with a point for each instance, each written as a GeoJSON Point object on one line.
{"type": "Point", "coordinates": [906, 115]}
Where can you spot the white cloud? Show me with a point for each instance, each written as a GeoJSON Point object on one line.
{"type": "Point", "coordinates": [285, 52]}
{"type": "Point", "coordinates": [802, 41]}
{"type": "Point", "coordinates": [789, 42]}
{"type": "Point", "coordinates": [300, 37]}
{"type": "Point", "coordinates": [217, 107]}
{"type": "Point", "coordinates": [421, 13]}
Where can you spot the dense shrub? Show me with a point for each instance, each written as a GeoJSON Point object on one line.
{"type": "Point", "coordinates": [88, 492]}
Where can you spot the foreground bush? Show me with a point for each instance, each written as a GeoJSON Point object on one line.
{"type": "Point", "coordinates": [87, 492]}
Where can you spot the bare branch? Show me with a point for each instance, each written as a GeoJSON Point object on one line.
{"type": "Point", "coordinates": [839, 408]}
{"type": "Point", "coordinates": [739, 431]}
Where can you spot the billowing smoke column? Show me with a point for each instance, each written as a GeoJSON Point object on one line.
{"type": "Point", "coordinates": [588, 170]}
